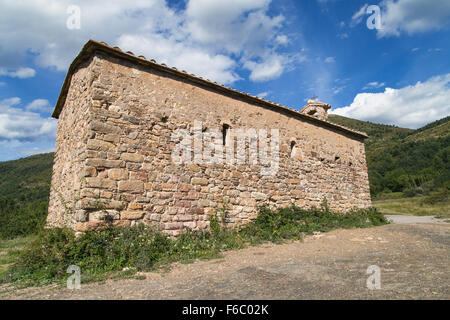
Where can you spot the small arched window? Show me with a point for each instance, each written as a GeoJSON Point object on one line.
{"type": "Point", "coordinates": [225, 128]}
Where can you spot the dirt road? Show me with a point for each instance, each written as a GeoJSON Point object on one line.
{"type": "Point", "coordinates": [414, 261]}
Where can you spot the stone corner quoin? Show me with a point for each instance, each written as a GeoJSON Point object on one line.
{"type": "Point", "coordinates": [113, 163]}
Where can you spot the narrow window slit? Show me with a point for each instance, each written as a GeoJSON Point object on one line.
{"type": "Point", "coordinates": [225, 128]}
{"type": "Point", "coordinates": [293, 149]}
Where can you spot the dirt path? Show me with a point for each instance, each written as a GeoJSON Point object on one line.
{"type": "Point", "coordinates": [413, 258]}
{"type": "Point", "coordinates": [414, 219]}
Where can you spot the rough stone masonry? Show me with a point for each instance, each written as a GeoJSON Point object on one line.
{"type": "Point", "coordinates": [113, 162]}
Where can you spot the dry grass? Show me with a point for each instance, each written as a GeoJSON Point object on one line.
{"type": "Point", "coordinates": [413, 206]}
{"type": "Point", "coordinates": [9, 250]}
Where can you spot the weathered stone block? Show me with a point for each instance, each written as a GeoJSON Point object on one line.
{"type": "Point", "coordinates": [199, 181]}
{"type": "Point", "coordinates": [118, 174]}
{"type": "Point", "coordinates": [105, 163]}
{"type": "Point", "coordinates": [131, 215]}
{"type": "Point", "coordinates": [97, 182]}
{"type": "Point", "coordinates": [132, 157]}
{"type": "Point", "coordinates": [104, 215]}
{"type": "Point", "coordinates": [104, 128]}
{"type": "Point", "coordinates": [100, 145]}
{"type": "Point", "coordinates": [131, 185]}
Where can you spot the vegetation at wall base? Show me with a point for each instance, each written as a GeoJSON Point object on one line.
{"type": "Point", "coordinates": [111, 250]}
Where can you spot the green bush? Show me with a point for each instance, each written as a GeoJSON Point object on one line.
{"type": "Point", "coordinates": [441, 196]}
{"type": "Point", "coordinates": [21, 219]}
{"type": "Point", "coordinates": [110, 250]}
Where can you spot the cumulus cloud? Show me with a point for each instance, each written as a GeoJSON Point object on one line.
{"type": "Point", "coordinates": [21, 73]}
{"type": "Point", "coordinates": [24, 125]}
{"type": "Point", "coordinates": [210, 38]}
{"type": "Point", "coordinates": [216, 67]}
{"type": "Point", "coordinates": [42, 105]}
{"type": "Point", "coordinates": [409, 16]}
{"type": "Point", "coordinates": [412, 106]}
{"type": "Point", "coordinates": [282, 39]}
{"type": "Point", "coordinates": [270, 68]}
{"type": "Point", "coordinates": [358, 15]}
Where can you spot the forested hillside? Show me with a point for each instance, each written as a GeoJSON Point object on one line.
{"type": "Point", "coordinates": [405, 160]}
{"type": "Point", "coordinates": [26, 179]}
{"type": "Point", "coordinates": [24, 191]}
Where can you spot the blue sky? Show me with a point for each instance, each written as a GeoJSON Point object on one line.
{"type": "Point", "coordinates": [285, 51]}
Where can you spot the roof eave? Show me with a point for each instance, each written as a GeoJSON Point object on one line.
{"type": "Point", "coordinates": [91, 46]}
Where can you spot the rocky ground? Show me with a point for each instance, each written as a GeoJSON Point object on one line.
{"type": "Point", "coordinates": [413, 259]}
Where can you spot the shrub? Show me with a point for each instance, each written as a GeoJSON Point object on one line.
{"type": "Point", "coordinates": [21, 219]}
{"type": "Point", "coordinates": [441, 196]}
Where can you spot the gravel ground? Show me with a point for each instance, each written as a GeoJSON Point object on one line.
{"type": "Point", "coordinates": [415, 219]}
{"type": "Point", "coordinates": [413, 259]}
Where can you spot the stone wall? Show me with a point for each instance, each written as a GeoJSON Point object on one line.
{"type": "Point", "coordinates": [70, 149]}
{"type": "Point", "coordinates": [114, 147]}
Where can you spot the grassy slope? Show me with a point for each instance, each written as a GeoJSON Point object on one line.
{"type": "Point", "coordinates": [9, 252]}
{"type": "Point", "coordinates": [413, 206]}
{"type": "Point", "coordinates": [437, 129]}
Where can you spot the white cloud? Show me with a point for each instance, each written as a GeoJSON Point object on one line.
{"type": "Point", "coordinates": [42, 105]}
{"type": "Point", "coordinates": [9, 102]}
{"type": "Point", "coordinates": [359, 15]}
{"type": "Point", "coordinates": [330, 60]}
{"type": "Point", "coordinates": [374, 84]}
{"type": "Point", "coordinates": [21, 73]}
{"type": "Point", "coordinates": [337, 90]}
{"type": "Point", "coordinates": [13, 149]}
{"type": "Point", "coordinates": [412, 106]}
{"type": "Point", "coordinates": [35, 150]}
{"type": "Point", "coordinates": [270, 68]}
{"type": "Point", "coordinates": [23, 125]}
{"type": "Point", "coordinates": [282, 39]}
{"type": "Point", "coordinates": [263, 94]}
{"type": "Point", "coordinates": [216, 67]}
{"type": "Point", "coordinates": [210, 38]}
{"type": "Point", "coordinates": [409, 16]}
